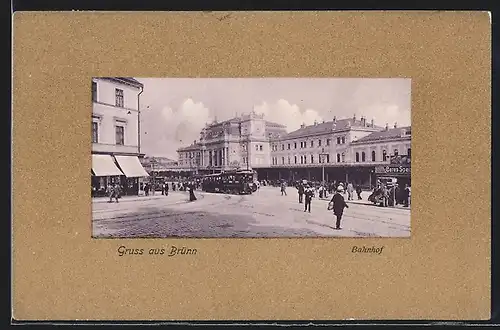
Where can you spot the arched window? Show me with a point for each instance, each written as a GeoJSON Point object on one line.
{"type": "Point", "coordinates": [384, 155]}
{"type": "Point", "coordinates": [357, 157]}
{"type": "Point", "coordinates": [312, 159]}
{"type": "Point", "coordinates": [343, 157]}
{"type": "Point", "coordinates": [363, 157]}
{"type": "Point", "coordinates": [373, 156]}
{"type": "Point", "coordinates": [338, 158]}
{"type": "Point", "coordinates": [295, 159]}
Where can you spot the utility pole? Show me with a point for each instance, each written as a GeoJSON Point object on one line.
{"type": "Point", "coordinates": [322, 157]}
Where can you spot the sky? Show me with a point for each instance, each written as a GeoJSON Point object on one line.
{"type": "Point", "coordinates": [174, 110]}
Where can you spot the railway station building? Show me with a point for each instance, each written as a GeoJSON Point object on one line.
{"type": "Point", "coordinates": [342, 149]}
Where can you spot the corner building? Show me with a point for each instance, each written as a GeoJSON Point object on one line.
{"type": "Point", "coordinates": [116, 135]}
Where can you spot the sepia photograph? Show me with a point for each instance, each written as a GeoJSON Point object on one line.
{"type": "Point", "coordinates": [250, 157]}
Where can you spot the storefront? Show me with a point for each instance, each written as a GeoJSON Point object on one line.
{"type": "Point", "coordinates": [132, 173]}
{"type": "Point", "coordinates": [109, 170]}
{"type": "Point", "coordinates": [104, 173]}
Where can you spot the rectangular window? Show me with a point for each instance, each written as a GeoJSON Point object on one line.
{"type": "Point", "coordinates": [282, 147]}
{"type": "Point", "coordinates": [319, 143]}
{"type": "Point", "coordinates": [312, 144]}
{"type": "Point", "coordinates": [327, 158]}
{"type": "Point", "coordinates": [327, 142]}
{"type": "Point", "coordinates": [119, 97]}
{"type": "Point", "coordinates": [409, 153]}
{"type": "Point", "coordinates": [256, 148]}
{"type": "Point", "coordinates": [343, 140]}
{"type": "Point", "coordinates": [95, 132]}
{"type": "Point", "coordinates": [312, 159]}
{"type": "Point", "coordinates": [338, 140]}
{"type": "Point", "coordinates": [94, 91]}
{"type": "Point", "coordinates": [282, 160]}
{"type": "Point", "coordinates": [288, 160]}
{"type": "Point", "coordinates": [289, 146]}
{"type": "Point", "coordinates": [295, 145]}
{"type": "Point", "coordinates": [305, 159]}
{"type": "Point", "coordinates": [260, 147]}
{"type": "Point", "coordinates": [120, 136]}
{"type": "Point", "coordinates": [295, 159]}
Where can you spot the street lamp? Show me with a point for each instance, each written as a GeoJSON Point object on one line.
{"type": "Point", "coordinates": [322, 157]}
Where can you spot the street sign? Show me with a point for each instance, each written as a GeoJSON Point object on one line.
{"type": "Point", "coordinates": [393, 170]}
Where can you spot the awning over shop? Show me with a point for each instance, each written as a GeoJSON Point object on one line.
{"type": "Point", "coordinates": [131, 166]}
{"type": "Point", "coordinates": [104, 165]}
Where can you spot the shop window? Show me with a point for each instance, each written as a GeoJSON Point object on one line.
{"type": "Point", "coordinates": [120, 135]}
{"type": "Point", "coordinates": [373, 156]}
{"type": "Point", "coordinates": [357, 157]}
{"type": "Point", "coordinates": [363, 157]}
{"type": "Point", "coordinates": [119, 97]}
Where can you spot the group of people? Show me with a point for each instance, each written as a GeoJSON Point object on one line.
{"type": "Point", "coordinates": [391, 195]}
{"type": "Point", "coordinates": [114, 191]}
{"type": "Point", "coordinates": [337, 203]}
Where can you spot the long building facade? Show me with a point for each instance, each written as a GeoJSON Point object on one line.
{"type": "Point", "coordinates": [347, 149]}
{"type": "Point", "coordinates": [115, 134]}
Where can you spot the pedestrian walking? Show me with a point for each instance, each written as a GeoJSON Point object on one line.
{"type": "Point", "coordinates": [283, 189]}
{"type": "Point", "coordinates": [300, 190]}
{"type": "Point", "coordinates": [358, 191]}
{"type": "Point", "coordinates": [146, 189]}
{"type": "Point", "coordinates": [350, 191]}
{"type": "Point", "coordinates": [115, 193]}
{"type": "Point", "coordinates": [192, 197]}
{"type": "Point", "coordinates": [308, 196]}
{"type": "Point", "coordinates": [407, 192]}
{"type": "Point", "coordinates": [166, 188]}
{"type": "Point", "coordinates": [163, 188]}
{"type": "Point", "coordinates": [338, 204]}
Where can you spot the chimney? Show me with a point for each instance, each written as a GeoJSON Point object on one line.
{"type": "Point", "coordinates": [354, 118]}
{"type": "Point", "coordinates": [315, 122]}
{"type": "Point", "coordinates": [395, 125]}
{"type": "Point", "coordinates": [363, 121]}
{"type": "Point", "coordinates": [334, 119]}
{"type": "Point", "coordinates": [373, 122]}
{"type": "Point", "coordinates": [302, 125]}
{"type": "Point", "coordinates": [403, 132]}
{"type": "Point", "coordinates": [194, 142]}
{"type": "Point", "coordinates": [386, 126]}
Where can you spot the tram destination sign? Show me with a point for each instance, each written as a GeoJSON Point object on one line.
{"type": "Point", "coordinates": [393, 170]}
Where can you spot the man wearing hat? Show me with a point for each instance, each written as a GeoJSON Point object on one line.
{"type": "Point", "coordinates": [339, 204]}
{"type": "Point", "coordinates": [309, 195]}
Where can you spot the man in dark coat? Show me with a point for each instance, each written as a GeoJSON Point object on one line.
{"type": "Point", "coordinates": [308, 195]}
{"type": "Point", "coordinates": [358, 191]}
{"type": "Point", "coordinates": [339, 204]}
{"type": "Point", "coordinates": [300, 190]}
{"type": "Point", "coordinates": [166, 188]}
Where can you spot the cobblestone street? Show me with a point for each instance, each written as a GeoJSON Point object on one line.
{"type": "Point", "coordinates": [264, 214]}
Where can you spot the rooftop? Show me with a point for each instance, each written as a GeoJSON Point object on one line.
{"type": "Point", "coordinates": [325, 127]}
{"type": "Point", "coordinates": [385, 134]}
{"type": "Point", "coordinates": [127, 80]}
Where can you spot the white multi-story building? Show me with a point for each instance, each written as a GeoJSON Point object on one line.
{"type": "Point", "coordinates": [116, 134]}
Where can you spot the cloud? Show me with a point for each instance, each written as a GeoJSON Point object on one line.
{"type": "Point", "coordinates": [170, 128]}
{"type": "Point", "coordinates": [283, 112]}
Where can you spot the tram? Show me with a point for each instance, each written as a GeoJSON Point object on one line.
{"type": "Point", "coordinates": [230, 182]}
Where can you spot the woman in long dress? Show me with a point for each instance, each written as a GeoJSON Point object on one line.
{"type": "Point", "coordinates": [192, 197]}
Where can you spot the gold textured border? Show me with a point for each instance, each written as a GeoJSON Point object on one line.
{"type": "Point", "coordinates": [441, 272]}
